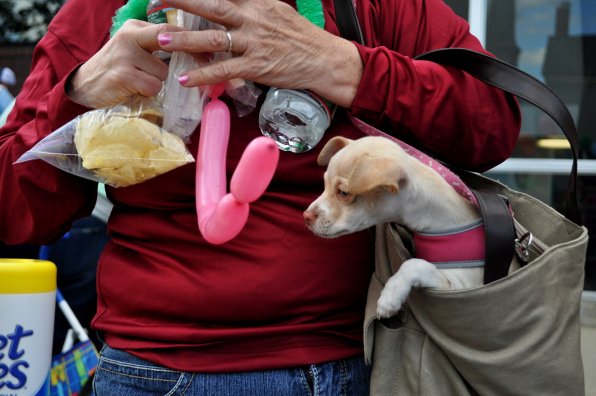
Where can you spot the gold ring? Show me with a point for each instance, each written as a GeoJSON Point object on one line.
{"type": "Point", "coordinates": [229, 41]}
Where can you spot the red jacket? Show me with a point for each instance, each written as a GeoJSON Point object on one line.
{"type": "Point", "coordinates": [276, 296]}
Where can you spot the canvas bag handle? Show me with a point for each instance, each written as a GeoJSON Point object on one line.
{"type": "Point", "coordinates": [510, 79]}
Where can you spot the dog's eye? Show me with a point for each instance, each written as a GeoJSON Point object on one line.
{"type": "Point", "coordinates": [343, 194]}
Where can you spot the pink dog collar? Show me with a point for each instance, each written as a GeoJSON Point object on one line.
{"type": "Point", "coordinates": [460, 248]}
{"type": "Point", "coordinates": [446, 173]}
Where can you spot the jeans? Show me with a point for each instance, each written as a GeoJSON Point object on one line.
{"type": "Point", "coordinates": [120, 373]}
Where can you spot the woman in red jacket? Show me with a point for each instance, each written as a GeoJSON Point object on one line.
{"type": "Point", "coordinates": [275, 311]}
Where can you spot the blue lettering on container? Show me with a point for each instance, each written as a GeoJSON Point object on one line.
{"type": "Point", "coordinates": [12, 361]}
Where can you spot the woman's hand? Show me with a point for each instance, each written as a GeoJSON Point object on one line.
{"type": "Point", "coordinates": [124, 67]}
{"type": "Point", "coordinates": [272, 44]}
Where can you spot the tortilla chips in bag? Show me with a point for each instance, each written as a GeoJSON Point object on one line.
{"type": "Point", "coordinates": [119, 145]}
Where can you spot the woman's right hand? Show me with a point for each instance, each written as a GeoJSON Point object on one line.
{"type": "Point", "coordinates": [272, 44]}
{"type": "Point", "coordinates": [125, 66]}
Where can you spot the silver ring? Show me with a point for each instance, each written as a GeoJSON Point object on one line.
{"type": "Point", "coordinates": [229, 41]}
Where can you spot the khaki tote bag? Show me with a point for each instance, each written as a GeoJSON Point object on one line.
{"type": "Point", "coordinates": [519, 335]}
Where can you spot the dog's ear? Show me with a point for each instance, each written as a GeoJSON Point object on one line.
{"type": "Point", "coordinates": [331, 148]}
{"type": "Point", "coordinates": [375, 172]}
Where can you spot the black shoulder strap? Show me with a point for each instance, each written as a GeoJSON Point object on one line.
{"type": "Point", "coordinates": [521, 84]}
{"type": "Point", "coordinates": [499, 234]}
{"type": "Point", "coordinates": [347, 22]}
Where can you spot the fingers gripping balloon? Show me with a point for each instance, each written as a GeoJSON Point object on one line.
{"type": "Point", "coordinates": [222, 216]}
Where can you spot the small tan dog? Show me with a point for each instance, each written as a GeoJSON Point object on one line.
{"type": "Point", "coordinates": [372, 181]}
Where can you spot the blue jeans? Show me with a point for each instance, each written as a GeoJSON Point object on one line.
{"type": "Point", "coordinates": [120, 373]}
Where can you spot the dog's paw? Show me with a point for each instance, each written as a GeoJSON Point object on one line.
{"type": "Point", "coordinates": [385, 311]}
{"type": "Point", "coordinates": [390, 302]}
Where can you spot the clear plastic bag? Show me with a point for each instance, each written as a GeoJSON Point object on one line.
{"type": "Point", "coordinates": [133, 142]}
{"type": "Point", "coordinates": [183, 107]}
{"type": "Point", "coordinates": [119, 145]}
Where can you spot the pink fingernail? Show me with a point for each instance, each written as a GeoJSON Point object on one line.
{"type": "Point", "coordinates": [164, 38]}
{"type": "Point", "coordinates": [183, 80]}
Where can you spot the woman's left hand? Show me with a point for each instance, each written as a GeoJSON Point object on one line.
{"type": "Point", "coordinates": [272, 45]}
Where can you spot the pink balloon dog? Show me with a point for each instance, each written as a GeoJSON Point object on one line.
{"type": "Point", "coordinates": [222, 216]}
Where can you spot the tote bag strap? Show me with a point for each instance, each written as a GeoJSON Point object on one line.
{"type": "Point", "coordinates": [499, 234]}
{"type": "Point", "coordinates": [510, 79]}
{"type": "Point", "coordinates": [347, 22]}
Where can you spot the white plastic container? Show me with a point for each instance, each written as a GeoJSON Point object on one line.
{"type": "Point", "coordinates": [27, 305]}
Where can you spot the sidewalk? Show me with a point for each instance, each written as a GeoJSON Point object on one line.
{"type": "Point", "coordinates": [588, 316]}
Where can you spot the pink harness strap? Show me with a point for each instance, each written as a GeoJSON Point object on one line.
{"type": "Point", "coordinates": [446, 173]}
{"type": "Point", "coordinates": [453, 249]}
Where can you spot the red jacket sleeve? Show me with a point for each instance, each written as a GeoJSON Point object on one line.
{"type": "Point", "coordinates": [441, 110]}
{"type": "Point", "coordinates": [39, 202]}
